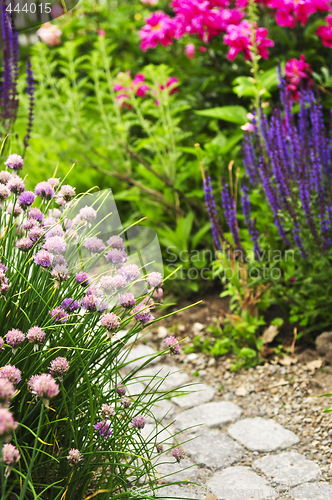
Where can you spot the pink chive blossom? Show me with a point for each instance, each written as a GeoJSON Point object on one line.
{"type": "Point", "coordinates": [158, 294]}
{"type": "Point", "coordinates": [111, 322]}
{"type": "Point", "coordinates": [107, 411]}
{"type": "Point", "coordinates": [16, 185]}
{"type": "Point", "coordinates": [88, 213]}
{"type": "Point", "coordinates": [54, 231]}
{"type": "Point", "coordinates": [67, 193]}
{"type": "Point", "coordinates": [36, 233]}
{"type": "Point", "coordinates": [55, 244]}
{"type": "Point", "coordinates": [90, 303]}
{"type": "Point", "coordinates": [159, 28]}
{"type": "Point", "coordinates": [55, 213]}
{"type": "Point", "coordinates": [29, 224]}
{"type": "Point", "coordinates": [15, 162]}
{"type": "Point", "coordinates": [131, 272]}
{"type": "Point", "coordinates": [2, 343]}
{"type": "Point", "coordinates": [238, 38]}
{"type": "Point", "coordinates": [82, 278]}
{"type": "Point", "coordinates": [74, 457]}
{"type": "Point", "coordinates": [36, 214]}
{"type": "Point", "coordinates": [94, 244]}
{"type": "Point", "coordinates": [7, 392]}
{"type": "Point", "coordinates": [26, 199]}
{"type": "Point", "coordinates": [49, 222]}
{"type": "Point", "coordinates": [325, 32]}
{"type": "Point", "coordinates": [58, 314]}
{"type": "Point", "coordinates": [5, 176]}
{"type": "Point", "coordinates": [115, 242]}
{"type": "Point", "coordinates": [172, 344]}
{"type": "Point", "coordinates": [4, 193]}
{"type": "Point", "coordinates": [142, 313]}
{"type": "Point", "coordinates": [10, 454]}
{"type": "Point", "coordinates": [44, 190]}
{"type": "Point", "coordinates": [121, 390]}
{"type": "Point", "coordinates": [190, 50]}
{"type": "Point", "coordinates": [159, 447]}
{"type": "Point", "coordinates": [24, 244]}
{"type": "Point", "coordinates": [94, 290]}
{"type": "Point", "coordinates": [127, 299]}
{"type": "Point", "coordinates": [59, 367]}
{"type": "Point", "coordinates": [11, 373]}
{"type": "Point", "coordinates": [15, 337]}
{"type": "Point", "coordinates": [36, 336]}
{"type": "Point", "coordinates": [116, 256]}
{"type": "Point", "coordinates": [43, 258]}
{"type": "Point", "coordinates": [54, 182]}
{"type": "Point", "coordinates": [178, 454]}
{"type": "Point", "coordinates": [60, 272]}
{"type": "Point", "coordinates": [7, 423]}
{"type": "Point", "coordinates": [154, 279]}
{"type": "Point", "coordinates": [298, 76]}
{"type": "Point", "coordinates": [115, 282]}
{"type": "Point", "coordinates": [15, 210]}
{"type": "Point", "coordinates": [104, 428]}
{"type": "Point", "coordinates": [138, 422]}
{"type": "Point", "coordinates": [44, 386]}
{"type": "Point", "coordinates": [125, 402]}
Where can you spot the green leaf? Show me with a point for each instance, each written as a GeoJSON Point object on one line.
{"type": "Point", "coordinates": [233, 114]}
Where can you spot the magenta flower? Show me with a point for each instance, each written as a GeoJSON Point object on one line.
{"type": "Point", "coordinates": [11, 373]}
{"type": "Point", "coordinates": [43, 258]}
{"type": "Point", "coordinates": [7, 392]}
{"type": "Point", "coordinates": [325, 32]}
{"type": "Point", "coordinates": [59, 367]}
{"type": "Point", "coordinates": [178, 454]}
{"type": "Point", "coordinates": [82, 278]}
{"type": "Point", "coordinates": [44, 386]}
{"type": "Point", "coordinates": [239, 40]}
{"type": "Point", "coordinates": [26, 199]}
{"type": "Point", "coordinates": [7, 423]}
{"type": "Point", "coordinates": [172, 344]}
{"type": "Point", "coordinates": [190, 50]}
{"type": "Point", "coordinates": [36, 336]}
{"type": "Point", "coordinates": [107, 411]}
{"type": "Point", "coordinates": [298, 76]}
{"type": "Point", "coordinates": [24, 244]}
{"type": "Point", "coordinates": [138, 422]}
{"type": "Point", "coordinates": [45, 190]}
{"type": "Point", "coordinates": [154, 279]}
{"type": "Point", "coordinates": [104, 428]}
{"type": "Point", "coordinates": [74, 457]}
{"type": "Point", "coordinates": [15, 162]}
{"type": "Point", "coordinates": [58, 314]}
{"type": "Point", "coordinates": [15, 337]}
{"type": "Point", "coordinates": [159, 28]}
{"type": "Point", "coordinates": [127, 299]}
{"type": "Point", "coordinates": [70, 304]}
{"type": "Point", "coordinates": [110, 321]}
{"type": "Point", "coordinates": [10, 454]}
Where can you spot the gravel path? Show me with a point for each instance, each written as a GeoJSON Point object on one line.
{"type": "Point", "coordinates": [258, 434]}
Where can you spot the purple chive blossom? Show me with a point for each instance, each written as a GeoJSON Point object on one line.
{"type": "Point", "coordinates": [59, 367]}
{"type": "Point", "coordinates": [70, 304]}
{"type": "Point", "coordinates": [59, 260]}
{"type": "Point", "coordinates": [178, 454]}
{"type": "Point", "coordinates": [55, 244]}
{"type": "Point", "coordinates": [43, 258]}
{"type": "Point", "coordinates": [90, 303]}
{"type": "Point", "coordinates": [14, 338]}
{"type": "Point", "coordinates": [121, 390]}
{"type": "Point", "coordinates": [15, 162]}
{"type": "Point", "coordinates": [31, 97]}
{"type": "Point", "coordinates": [36, 233]}
{"type": "Point", "coordinates": [59, 314]}
{"type": "Point", "coordinates": [26, 199]}
{"type": "Point", "coordinates": [111, 322]}
{"type": "Point", "coordinates": [67, 193]}
{"type": "Point", "coordinates": [115, 242]}
{"type": "Point", "coordinates": [36, 214]}
{"type": "Point", "coordinates": [154, 280]}
{"type": "Point", "coordinates": [4, 193]}
{"type": "Point", "coordinates": [44, 387]}
{"type": "Point", "coordinates": [82, 278]}
{"type": "Point", "coordinates": [36, 336]}
{"type": "Point", "coordinates": [4, 287]}
{"type": "Point", "coordinates": [104, 428]}
{"type": "Point", "coordinates": [44, 190]}
{"type": "Point", "coordinates": [138, 422]}
{"type": "Point", "coordinates": [74, 457]}
{"type": "Point", "coordinates": [88, 213]}
{"type": "Point", "coordinates": [29, 224]}
{"type": "Point", "coordinates": [131, 272]}
{"type": "Point", "coordinates": [173, 345]}
{"type": "Point", "coordinates": [7, 392]}
{"type": "Point", "coordinates": [2, 343]}
{"type": "Point", "coordinates": [5, 176]}
{"type": "Point", "coordinates": [116, 256]}
{"type": "Point", "coordinates": [60, 272]}
{"type": "Point", "coordinates": [107, 411]}
{"type": "Point", "coordinates": [11, 373]}
{"type": "Point", "coordinates": [7, 423]}
{"type": "Point", "coordinates": [24, 244]}
{"type": "Point", "coordinates": [94, 244]}
{"type": "Point", "coordinates": [142, 313]}
{"type": "Point", "coordinates": [127, 299]}
{"type": "Point", "coordinates": [16, 185]}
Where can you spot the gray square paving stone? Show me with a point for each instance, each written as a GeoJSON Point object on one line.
{"type": "Point", "coordinates": [212, 415]}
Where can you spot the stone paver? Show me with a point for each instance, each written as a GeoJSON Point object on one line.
{"type": "Point", "coordinates": [200, 394]}
{"type": "Point", "coordinates": [138, 352]}
{"type": "Point", "coordinates": [239, 483]}
{"type": "Point", "coordinates": [288, 468]}
{"type": "Point", "coordinates": [158, 434]}
{"type": "Point", "coordinates": [312, 491]}
{"type": "Point", "coordinates": [260, 434]}
{"type": "Point", "coordinates": [170, 471]}
{"type": "Point", "coordinates": [212, 449]}
{"type": "Point", "coordinates": [212, 415]}
{"type": "Point", "coordinates": [173, 377]}
{"type": "Point", "coordinates": [176, 491]}
{"type": "Point", "coordinates": [162, 410]}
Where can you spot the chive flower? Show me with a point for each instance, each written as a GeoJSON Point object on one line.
{"type": "Point", "coordinates": [74, 457]}
{"type": "Point", "coordinates": [172, 344]}
{"type": "Point", "coordinates": [104, 428]}
{"type": "Point", "coordinates": [138, 422]}
{"type": "Point", "coordinates": [44, 387]}
{"type": "Point", "coordinates": [14, 338]}
{"type": "Point", "coordinates": [36, 336]}
{"type": "Point", "coordinates": [11, 373]}
{"type": "Point", "coordinates": [15, 162]}
{"type": "Point", "coordinates": [127, 300]}
{"type": "Point", "coordinates": [178, 454]}
{"type": "Point", "coordinates": [7, 423]}
{"type": "Point", "coordinates": [7, 391]}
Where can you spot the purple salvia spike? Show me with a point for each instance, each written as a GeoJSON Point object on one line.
{"type": "Point", "coordinates": [31, 97]}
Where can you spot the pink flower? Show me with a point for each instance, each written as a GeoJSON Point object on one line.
{"type": "Point", "coordinates": [239, 40]}
{"type": "Point", "coordinates": [154, 279]}
{"type": "Point", "coordinates": [150, 2]}
{"type": "Point", "coordinates": [290, 12]}
{"type": "Point", "coordinates": [59, 367]}
{"type": "Point", "coordinates": [74, 457]}
{"type": "Point", "coordinates": [7, 391]}
{"type": "Point", "coordinates": [101, 32]}
{"type": "Point", "coordinates": [178, 454]}
{"type": "Point", "coordinates": [50, 34]}
{"type": "Point", "coordinates": [7, 423]}
{"type": "Point", "coordinates": [248, 127]}
{"type": "Point", "coordinates": [11, 373]}
{"type": "Point", "coordinates": [36, 336]}
{"type": "Point", "coordinates": [10, 454]}
{"type": "Point", "coordinates": [172, 344]}
{"type": "Point", "coordinates": [56, 11]}
{"type": "Point", "coordinates": [159, 28]}
{"type": "Point", "coordinates": [138, 86]}
{"type": "Point", "coordinates": [44, 386]}
{"type": "Point", "coordinates": [298, 75]}
{"type": "Point", "coordinates": [15, 337]}
{"type": "Point", "coordinates": [190, 50]}
{"type": "Point", "coordinates": [325, 32]}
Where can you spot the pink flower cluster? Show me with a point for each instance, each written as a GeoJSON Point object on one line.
{"type": "Point", "coordinates": [290, 12]}
{"type": "Point", "coordinates": [325, 32]}
{"type": "Point", "coordinates": [298, 76]}
{"type": "Point", "coordinates": [239, 39]}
